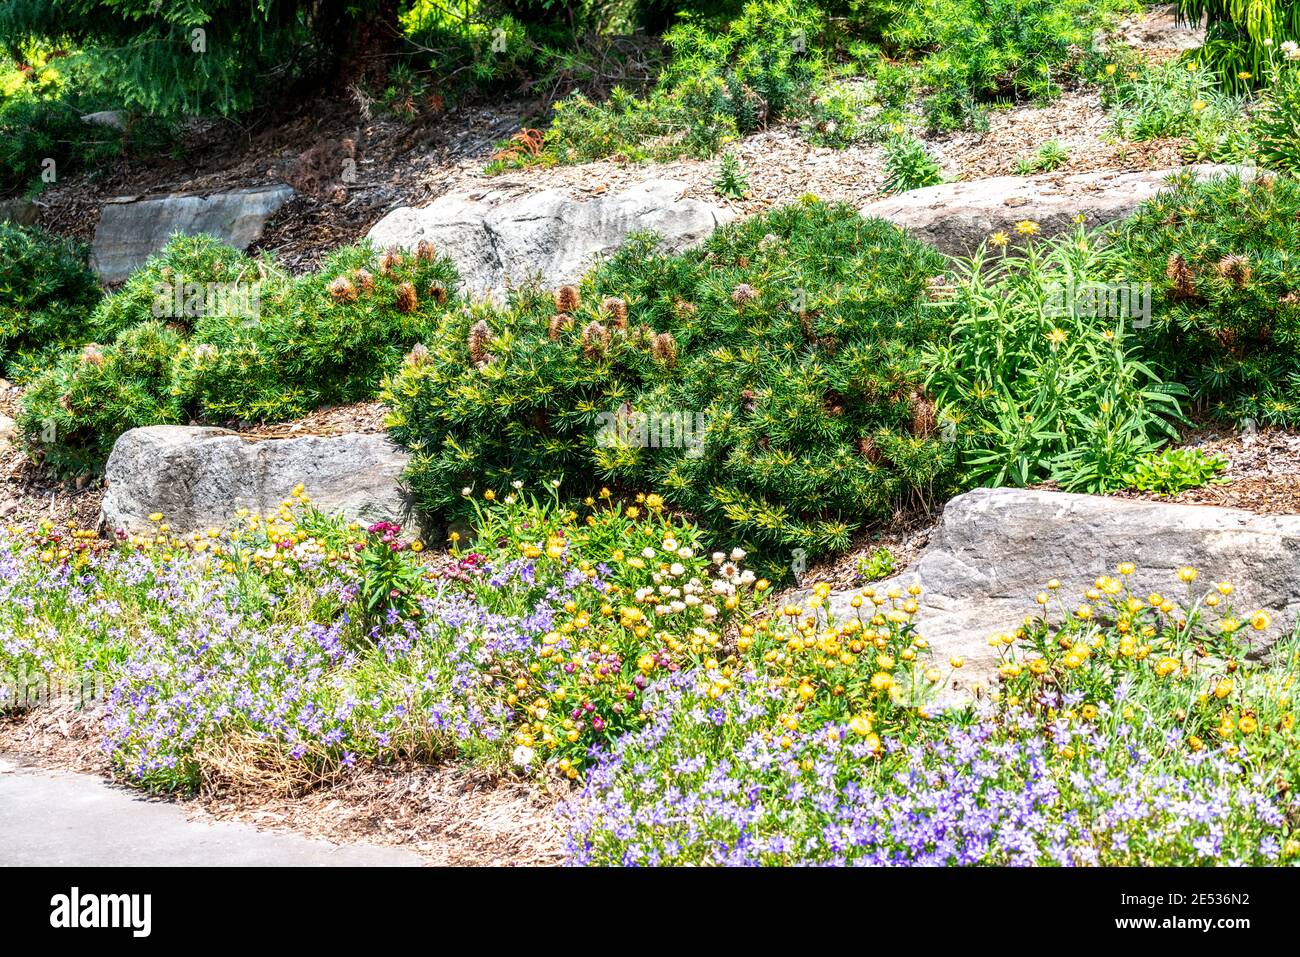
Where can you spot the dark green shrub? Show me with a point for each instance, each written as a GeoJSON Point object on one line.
{"type": "Point", "coordinates": [208, 333]}
{"type": "Point", "coordinates": [47, 293]}
{"type": "Point", "coordinates": [972, 51]}
{"type": "Point", "coordinates": [718, 84]}
{"type": "Point", "coordinates": [40, 120]}
{"type": "Point", "coordinates": [1221, 258]}
{"type": "Point", "coordinates": [785, 352]}
{"type": "Point", "coordinates": [73, 413]}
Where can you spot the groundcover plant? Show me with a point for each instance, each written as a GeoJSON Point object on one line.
{"type": "Point", "coordinates": [699, 721]}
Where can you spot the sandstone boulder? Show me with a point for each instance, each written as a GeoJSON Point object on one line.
{"type": "Point", "coordinates": [197, 477]}
{"type": "Point", "coordinates": [497, 241]}
{"type": "Point", "coordinates": [995, 549]}
{"type": "Point", "coordinates": [956, 217]}
{"type": "Point", "coordinates": [131, 230]}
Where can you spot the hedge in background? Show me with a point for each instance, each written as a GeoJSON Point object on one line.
{"type": "Point", "coordinates": [768, 382]}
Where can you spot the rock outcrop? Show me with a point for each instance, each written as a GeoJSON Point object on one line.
{"type": "Point", "coordinates": [956, 217]}
{"type": "Point", "coordinates": [549, 235]}
{"type": "Point", "coordinates": [131, 230]}
{"type": "Point", "coordinates": [995, 549]}
{"type": "Point", "coordinates": [197, 477]}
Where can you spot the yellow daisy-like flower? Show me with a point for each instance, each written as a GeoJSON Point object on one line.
{"type": "Point", "coordinates": [1260, 620]}
{"type": "Point", "coordinates": [1027, 227]}
{"type": "Point", "coordinates": [1110, 69]}
{"type": "Point", "coordinates": [999, 239]}
{"type": "Point", "coordinates": [1057, 337]}
{"type": "Point", "coordinates": [1199, 105]}
{"type": "Point", "coordinates": [1187, 574]}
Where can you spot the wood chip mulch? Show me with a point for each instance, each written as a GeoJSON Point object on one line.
{"type": "Point", "coordinates": [450, 814]}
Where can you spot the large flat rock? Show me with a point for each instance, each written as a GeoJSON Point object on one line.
{"type": "Point", "coordinates": [956, 217]}
{"type": "Point", "coordinates": [497, 241]}
{"type": "Point", "coordinates": [131, 230]}
{"type": "Point", "coordinates": [197, 477]}
{"type": "Point", "coordinates": [995, 549]}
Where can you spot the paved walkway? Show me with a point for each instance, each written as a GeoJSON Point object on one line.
{"type": "Point", "coordinates": [64, 818]}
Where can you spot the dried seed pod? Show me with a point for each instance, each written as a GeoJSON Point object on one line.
{"type": "Point", "coordinates": [425, 252]}
{"type": "Point", "coordinates": [342, 290]}
{"type": "Point", "coordinates": [479, 334]}
{"type": "Point", "coordinates": [558, 324]}
{"type": "Point", "coordinates": [390, 260]}
{"type": "Point", "coordinates": [743, 295]}
{"type": "Point", "coordinates": [616, 309]}
{"type": "Point", "coordinates": [418, 356]}
{"type": "Point", "coordinates": [867, 449]}
{"type": "Point", "coordinates": [595, 339]}
{"type": "Point", "coordinates": [365, 281]}
{"type": "Point", "coordinates": [1236, 269]}
{"type": "Point", "coordinates": [665, 349]}
{"type": "Point", "coordinates": [567, 299]}
{"type": "Point", "coordinates": [438, 293]}
{"type": "Point", "coordinates": [1181, 276]}
{"type": "Point", "coordinates": [922, 409]}
{"type": "Point", "coordinates": [407, 300]}
{"type": "Point", "coordinates": [684, 309]}
{"type": "Point", "coordinates": [91, 355]}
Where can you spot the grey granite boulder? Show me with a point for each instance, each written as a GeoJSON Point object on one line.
{"type": "Point", "coordinates": [497, 241]}
{"type": "Point", "coordinates": [198, 477]}
{"type": "Point", "coordinates": [20, 212]}
{"type": "Point", "coordinates": [131, 230]}
{"type": "Point", "coordinates": [995, 549]}
{"type": "Point", "coordinates": [956, 217]}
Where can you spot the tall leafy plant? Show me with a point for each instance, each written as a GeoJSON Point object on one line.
{"type": "Point", "coordinates": [1033, 384]}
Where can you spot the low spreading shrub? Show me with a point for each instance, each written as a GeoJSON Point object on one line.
{"type": "Point", "coordinates": [768, 382]}
{"type": "Point", "coordinates": [205, 332]}
{"type": "Point", "coordinates": [47, 293]}
{"type": "Point", "coordinates": [1220, 257]}
{"type": "Point", "coordinates": [1043, 375]}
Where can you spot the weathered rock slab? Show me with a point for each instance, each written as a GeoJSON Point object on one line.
{"type": "Point", "coordinates": [995, 549]}
{"type": "Point", "coordinates": [20, 212]}
{"type": "Point", "coordinates": [498, 241]}
{"type": "Point", "coordinates": [956, 217]}
{"type": "Point", "coordinates": [131, 230]}
{"type": "Point", "coordinates": [197, 477]}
